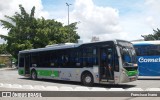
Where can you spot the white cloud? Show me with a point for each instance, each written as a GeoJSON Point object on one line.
{"type": "Point", "coordinates": [95, 20]}
{"type": "Point", "coordinates": [142, 22]}
{"type": "Point", "coordinates": [12, 6]}
{"type": "Point", "coordinates": [106, 23]}
{"type": "Point", "coordinates": [134, 26]}
{"type": "Point", "coordinates": [152, 13]}
{"type": "Point", "coordinates": [151, 21]}
{"type": "Point", "coordinates": [153, 4]}
{"type": "Point", "coordinates": [9, 7]}
{"type": "Point", "coordinates": [102, 21]}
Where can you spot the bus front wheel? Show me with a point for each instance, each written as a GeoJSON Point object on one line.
{"type": "Point", "coordinates": [34, 75]}
{"type": "Point", "coordinates": [87, 79]}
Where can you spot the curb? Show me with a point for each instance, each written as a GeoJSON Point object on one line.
{"type": "Point", "coordinates": [8, 69]}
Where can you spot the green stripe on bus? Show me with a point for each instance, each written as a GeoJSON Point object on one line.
{"type": "Point", "coordinates": [21, 71]}
{"type": "Point", "coordinates": [132, 73]}
{"type": "Point", "coordinates": [48, 73]}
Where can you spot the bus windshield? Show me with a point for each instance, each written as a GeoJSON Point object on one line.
{"type": "Point", "coordinates": [128, 54]}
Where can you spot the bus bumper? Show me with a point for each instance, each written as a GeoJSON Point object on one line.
{"type": "Point", "coordinates": [125, 78]}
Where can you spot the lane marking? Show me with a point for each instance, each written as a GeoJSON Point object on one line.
{"type": "Point", "coordinates": [68, 88]}
{"type": "Point", "coordinates": [39, 87]}
{"type": "Point", "coordinates": [65, 88]}
{"type": "Point", "coordinates": [81, 88]}
{"type": "Point", "coordinates": [116, 89]}
{"type": "Point", "coordinates": [16, 86]}
{"type": "Point", "coordinates": [134, 89]}
{"type": "Point", "coordinates": [7, 85]}
{"type": "Point", "coordinates": [27, 87]}
{"type": "Point", "coordinates": [98, 89]}
{"type": "Point", "coordinates": [52, 88]}
{"type": "Point", "coordinates": [152, 89]}
{"type": "Point", "coordinates": [1, 84]}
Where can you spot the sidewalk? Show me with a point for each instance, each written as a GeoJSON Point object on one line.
{"type": "Point", "coordinates": [7, 68]}
{"type": "Point", "coordinates": [148, 77]}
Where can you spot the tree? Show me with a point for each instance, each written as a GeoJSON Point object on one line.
{"type": "Point", "coordinates": [27, 32]}
{"type": "Point", "coordinates": [157, 34]}
{"type": "Point", "coordinates": [3, 49]}
{"type": "Point", "coordinates": [20, 30]}
{"type": "Point", "coordinates": [154, 36]}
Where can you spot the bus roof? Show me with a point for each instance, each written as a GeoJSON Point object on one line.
{"type": "Point", "coordinates": [146, 42]}
{"type": "Point", "coordinates": [52, 47]}
{"type": "Point", "coordinates": [63, 46]}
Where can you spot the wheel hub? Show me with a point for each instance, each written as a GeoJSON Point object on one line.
{"type": "Point", "coordinates": [88, 79]}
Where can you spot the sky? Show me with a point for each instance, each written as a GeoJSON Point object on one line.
{"type": "Point", "coordinates": [106, 19]}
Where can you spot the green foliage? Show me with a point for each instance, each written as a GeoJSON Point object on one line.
{"type": "Point", "coordinates": [154, 36]}
{"type": "Point", "coordinates": [27, 32]}
{"type": "Point", "coordinates": [3, 49]}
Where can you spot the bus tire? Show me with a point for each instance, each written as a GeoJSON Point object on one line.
{"type": "Point", "coordinates": [87, 79]}
{"type": "Point", "coordinates": [34, 75]}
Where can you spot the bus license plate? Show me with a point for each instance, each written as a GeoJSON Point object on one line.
{"type": "Point", "coordinates": [132, 79]}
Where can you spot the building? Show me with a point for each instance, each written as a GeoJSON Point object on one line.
{"type": "Point", "coordinates": [5, 60]}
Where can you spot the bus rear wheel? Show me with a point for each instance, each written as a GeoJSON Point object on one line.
{"type": "Point", "coordinates": [87, 79]}
{"type": "Point", "coordinates": [34, 75]}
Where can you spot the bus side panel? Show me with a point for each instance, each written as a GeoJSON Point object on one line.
{"type": "Point", "coordinates": [68, 74]}
{"type": "Point", "coordinates": [149, 65]}
{"type": "Point", "coordinates": [21, 71]}
{"type": "Point", "coordinates": [148, 56]}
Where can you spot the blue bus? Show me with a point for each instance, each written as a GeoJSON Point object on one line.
{"type": "Point", "coordinates": [148, 53]}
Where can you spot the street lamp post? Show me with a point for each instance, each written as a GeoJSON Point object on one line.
{"type": "Point", "coordinates": [68, 11]}
{"type": "Point", "coordinates": [68, 18]}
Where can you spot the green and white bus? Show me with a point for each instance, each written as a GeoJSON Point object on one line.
{"type": "Point", "coordinates": [104, 62]}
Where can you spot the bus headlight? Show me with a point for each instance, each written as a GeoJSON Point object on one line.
{"type": "Point", "coordinates": [135, 65]}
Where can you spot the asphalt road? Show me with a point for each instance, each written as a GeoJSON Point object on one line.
{"type": "Point", "coordinates": [10, 77]}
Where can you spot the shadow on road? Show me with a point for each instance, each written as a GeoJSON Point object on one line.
{"type": "Point", "coordinates": [124, 86]}
{"type": "Point", "coordinates": [149, 79]}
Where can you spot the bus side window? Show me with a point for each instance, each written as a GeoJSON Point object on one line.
{"type": "Point", "coordinates": [80, 56]}
{"type": "Point", "coordinates": [21, 62]}
{"type": "Point", "coordinates": [95, 56]}
{"type": "Point", "coordinates": [34, 59]}
{"type": "Point", "coordinates": [54, 59]}
{"type": "Point", "coordinates": [88, 57]}
{"type": "Point", "coordinates": [153, 50]}
{"type": "Point", "coordinates": [77, 58]}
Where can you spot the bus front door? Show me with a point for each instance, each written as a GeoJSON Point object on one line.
{"type": "Point", "coordinates": [106, 64]}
